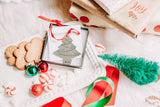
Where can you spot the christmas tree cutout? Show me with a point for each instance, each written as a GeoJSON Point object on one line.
{"type": "Point", "coordinates": [67, 51]}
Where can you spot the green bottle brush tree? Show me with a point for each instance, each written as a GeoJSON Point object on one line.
{"type": "Point", "coordinates": [139, 70]}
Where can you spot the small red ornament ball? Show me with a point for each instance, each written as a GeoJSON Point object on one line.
{"type": "Point", "coordinates": [43, 66]}
{"type": "Point", "coordinates": [37, 89]}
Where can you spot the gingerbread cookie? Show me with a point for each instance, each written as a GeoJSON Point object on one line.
{"type": "Point", "coordinates": [9, 54]}
{"type": "Point", "coordinates": [34, 50]}
{"type": "Point", "coordinates": [20, 54]}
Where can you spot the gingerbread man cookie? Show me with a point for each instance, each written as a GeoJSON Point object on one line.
{"type": "Point", "coordinates": [34, 50]}
{"type": "Point", "coordinates": [20, 54]}
{"type": "Point", "coordinates": [9, 54]}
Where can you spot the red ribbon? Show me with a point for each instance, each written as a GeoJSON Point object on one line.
{"type": "Point", "coordinates": [59, 102]}
{"type": "Point", "coordinates": [50, 20]}
{"type": "Point", "coordinates": [98, 90]}
{"type": "Point", "coordinates": [113, 74]}
{"type": "Point", "coordinates": [103, 87]}
{"type": "Point", "coordinates": [60, 24]}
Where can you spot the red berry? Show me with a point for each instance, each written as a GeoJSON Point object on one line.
{"type": "Point", "coordinates": [37, 89]}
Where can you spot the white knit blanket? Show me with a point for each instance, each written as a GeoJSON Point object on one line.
{"type": "Point", "coordinates": [18, 21]}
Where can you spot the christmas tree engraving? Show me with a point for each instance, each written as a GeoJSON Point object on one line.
{"type": "Point", "coordinates": [67, 51]}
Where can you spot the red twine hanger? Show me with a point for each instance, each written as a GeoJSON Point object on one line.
{"type": "Point", "coordinates": [60, 24]}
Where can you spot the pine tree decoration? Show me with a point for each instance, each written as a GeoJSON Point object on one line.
{"type": "Point", "coordinates": [67, 51]}
{"type": "Point", "coordinates": [138, 70]}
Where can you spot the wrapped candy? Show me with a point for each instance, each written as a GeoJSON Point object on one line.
{"type": "Point", "coordinates": [49, 86]}
{"type": "Point", "coordinates": [11, 91]}
{"type": "Point", "coordinates": [45, 77]}
{"type": "Point", "coordinates": [100, 48]}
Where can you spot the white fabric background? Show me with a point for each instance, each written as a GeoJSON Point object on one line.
{"type": "Point", "coordinates": [18, 21]}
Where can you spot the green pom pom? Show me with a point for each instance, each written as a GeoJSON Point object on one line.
{"type": "Point", "coordinates": [138, 70]}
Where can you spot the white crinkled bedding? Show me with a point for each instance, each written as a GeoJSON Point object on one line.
{"type": "Point", "coordinates": [18, 21]}
{"type": "Point", "coordinates": [14, 1]}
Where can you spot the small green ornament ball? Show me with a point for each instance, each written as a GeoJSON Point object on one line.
{"type": "Point", "coordinates": [31, 70]}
